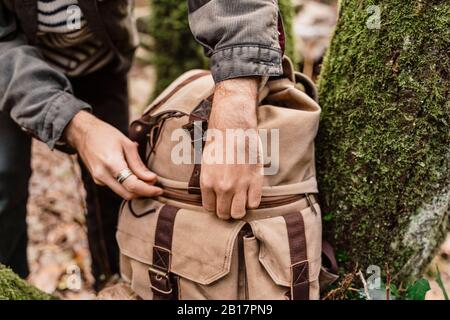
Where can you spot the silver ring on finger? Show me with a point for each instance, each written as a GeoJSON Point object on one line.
{"type": "Point", "coordinates": [123, 175]}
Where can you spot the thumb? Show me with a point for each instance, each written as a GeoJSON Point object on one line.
{"type": "Point", "coordinates": [135, 163]}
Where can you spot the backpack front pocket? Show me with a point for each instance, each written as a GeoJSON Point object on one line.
{"type": "Point", "coordinates": [201, 248]}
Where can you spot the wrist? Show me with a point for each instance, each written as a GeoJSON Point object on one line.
{"type": "Point", "coordinates": [245, 87]}
{"type": "Point", "coordinates": [235, 103]}
{"type": "Point", "coordinates": [77, 128]}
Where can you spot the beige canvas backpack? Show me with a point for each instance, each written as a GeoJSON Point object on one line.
{"type": "Point", "coordinates": [171, 248]}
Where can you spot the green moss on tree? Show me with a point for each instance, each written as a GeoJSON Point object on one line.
{"type": "Point", "coordinates": [384, 147]}
{"type": "Point", "coordinates": [287, 12]}
{"type": "Point", "coordinates": [12, 287]}
{"type": "Point", "coordinates": [176, 50]}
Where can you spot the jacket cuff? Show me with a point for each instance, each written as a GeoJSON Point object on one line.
{"type": "Point", "coordinates": [244, 61]}
{"type": "Point", "coordinates": [60, 112]}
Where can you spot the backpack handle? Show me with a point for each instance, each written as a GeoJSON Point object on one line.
{"type": "Point", "coordinates": [300, 78]}
{"type": "Point", "coordinates": [308, 85]}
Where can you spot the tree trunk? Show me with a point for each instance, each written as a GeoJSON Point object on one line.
{"type": "Point", "coordinates": [383, 147]}
{"type": "Point", "coordinates": [12, 287]}
{"type": "Point", "coordinates": [176, 50]}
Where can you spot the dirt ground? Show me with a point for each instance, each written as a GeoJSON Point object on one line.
{"type": "Point", "coordinates": [58, 251]}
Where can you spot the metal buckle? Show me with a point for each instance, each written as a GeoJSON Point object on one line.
{"type": "Point", "coordinates": [159, 275]}
{"type": "Point", "coordinates": [158, 272]}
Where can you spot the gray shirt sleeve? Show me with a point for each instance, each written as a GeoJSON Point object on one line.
{"type": "Point", "coordinates": [240, 36]}
{"type": "Point", "coordinates": [37, 97]}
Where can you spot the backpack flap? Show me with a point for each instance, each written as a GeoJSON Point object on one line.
{"type": "Point", "coordinates": [276, 245]}
{"type": "Point", "coordinates": [201, 248]}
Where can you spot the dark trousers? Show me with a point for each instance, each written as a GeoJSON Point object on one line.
{"type": "Point", "coordinates": [106, 92]}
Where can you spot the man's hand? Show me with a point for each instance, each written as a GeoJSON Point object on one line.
{"type": "Point", "coordinates": [106, 151]}
{"type": "Point", "coordinates": [230, 188]}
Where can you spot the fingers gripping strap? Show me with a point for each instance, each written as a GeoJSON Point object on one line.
{"type": "Point", "coordinates": [162, 282]}
{"type": "Point", "coordinates": [299, 263]}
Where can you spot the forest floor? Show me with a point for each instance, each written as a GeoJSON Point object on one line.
{"type": "Point", "coordinates": [58, 250]}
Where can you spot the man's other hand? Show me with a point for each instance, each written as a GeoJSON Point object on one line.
{"type": "Point", "coordinates": [230, 188]}
{"type": "Point", "coordinates": [106, 152]}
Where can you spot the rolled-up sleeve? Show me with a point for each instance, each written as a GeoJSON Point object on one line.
{"type": "Point", "coordinates": [37, 97]}
{"type": "Point", "coordinates": [241, 36]}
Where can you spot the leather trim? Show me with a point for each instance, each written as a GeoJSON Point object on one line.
{"type": "Point", "coordinates": [299, 258]}
{"type": "Point", "coordinates": [266, 202]}
{"type": "Point", "coordinates": [162, 282]}
{"type": "Point", "coordinates": [328, 257]}
{"type": "Point", "coordinates": [140, 129]}
{"type": "Point", "coordinates": [200, 114]}
{"type": "Point", "coordinates": [194, 180]}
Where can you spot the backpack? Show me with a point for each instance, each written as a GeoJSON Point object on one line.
{"type": "Point", "coordinates": [171, 248]}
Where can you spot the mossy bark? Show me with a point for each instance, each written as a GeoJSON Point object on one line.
{"type": "Point", "coordinates": [176, 50]}
{"type": "Point", "coordinates": [12, 287]}
{"type": "Point", "coordinates": [383, 146]}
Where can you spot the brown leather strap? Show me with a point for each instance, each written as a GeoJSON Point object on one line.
{"type": "Point", "coordinates": [328, 258]}
{"type": "Point", "coordinates": [138, 132]}
{"type": "Point", "coordinates": [194, 180]}
{"type": "Point", "coordinates": [139, 129]}
{"type": "Point", "coordinates": [299, 263]}
{"type": "Point", "coordinates": [163, 283]}
{"type": "Point", "coordinates": [198, 119]}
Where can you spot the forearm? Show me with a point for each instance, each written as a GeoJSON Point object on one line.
{"type": "Point", "coordinates": [231, 187]}
{"type": "Point", "coordinates": [234, 104]}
